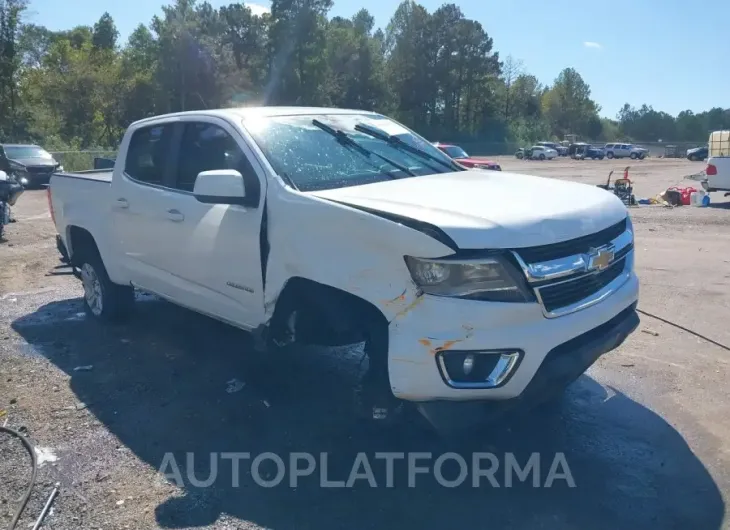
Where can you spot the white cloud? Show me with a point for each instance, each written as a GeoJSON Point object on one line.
{"type": "Point", "coordinates": [591, 44]}
{"type": "Point", "coordinates": [257, 9]}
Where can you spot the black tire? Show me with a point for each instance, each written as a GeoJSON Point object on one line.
{"type": "Point", "coordinates": [103, 299]}
{"type": "Point", "coordinates": [542, 156]}
{"type": "Point", "coordinates": [600, 158]}
{"type": "Point", "coordinates": [519, 156]}
{"type": "Point", "coordinates": [609, 155]}
{"type": "Point", "coordinates": [633, 156]}
{"type": "Point", "coordinates": [642, 156]}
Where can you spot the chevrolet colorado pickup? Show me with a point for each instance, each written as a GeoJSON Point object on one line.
{"type": "Point", "coordinates": [329, 226]}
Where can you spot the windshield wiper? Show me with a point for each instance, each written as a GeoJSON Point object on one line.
{"type": "Point", "coordinates": [397, 142]}
{"type": "Point", "coordinates": [342, 137]}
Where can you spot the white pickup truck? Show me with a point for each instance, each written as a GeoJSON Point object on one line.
{"type": "Point", "coordinates": [328, 226]}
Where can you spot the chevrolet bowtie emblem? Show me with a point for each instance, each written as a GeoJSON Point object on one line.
{"type": "Point", "coordinates": [600, 258]}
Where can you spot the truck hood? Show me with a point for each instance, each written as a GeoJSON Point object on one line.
{"type": "Point", "coordinates": [489, 209]}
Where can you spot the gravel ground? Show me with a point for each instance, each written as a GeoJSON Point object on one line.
{"type": "Point", "coordinates": [644, 432]}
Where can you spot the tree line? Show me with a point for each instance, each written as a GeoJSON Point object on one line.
{"type": "Point", "coordinates": [436, 72]}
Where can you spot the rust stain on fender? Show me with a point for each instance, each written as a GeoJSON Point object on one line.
{"type": "Point", "coordinates": [400, 298]}
{"type": "Point", "coordinates": [446, 346]}
{"type": "Point", "coordinates": [409, 307]}
{"type": "Point", "coordinates": [425, 342]}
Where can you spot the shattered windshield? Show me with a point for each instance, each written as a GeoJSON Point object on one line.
{"type": "Point", "coordinates": [313, 159]}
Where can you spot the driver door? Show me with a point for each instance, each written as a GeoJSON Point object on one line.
{"type": "Point", "coordinates": [217, 256]}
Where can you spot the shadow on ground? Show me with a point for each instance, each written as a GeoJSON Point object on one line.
{"type": "Point", "coordinates": [159, 385]}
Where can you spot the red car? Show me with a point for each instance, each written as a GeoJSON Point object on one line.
{"type": "Point", "coordinates": [461, 156]}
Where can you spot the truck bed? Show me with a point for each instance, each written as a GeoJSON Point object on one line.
{"type": "Point", "coordinates": [94, 175]}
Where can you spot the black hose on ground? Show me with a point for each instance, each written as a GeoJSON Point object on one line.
{"type": "Point", "coordinates": [34, 460]}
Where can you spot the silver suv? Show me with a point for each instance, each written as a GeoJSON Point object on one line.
{"type": "Point", "coordinates": [625, 151]}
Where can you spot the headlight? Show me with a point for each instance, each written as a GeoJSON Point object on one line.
{"type": "Point", "coordinates": [493, 278]}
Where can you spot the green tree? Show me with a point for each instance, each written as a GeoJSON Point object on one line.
{"type": "Point", "coordinates": [105, 33]}
{"type": "Point", "coordinates": [10, 61]}
{"type": "Point", "coordinates": [568, 105]}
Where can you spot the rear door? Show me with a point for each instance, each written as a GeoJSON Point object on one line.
{"type": "Point", "coordinates": [216, 248]}
{"type": "Point", "coordinates": [139, 194]}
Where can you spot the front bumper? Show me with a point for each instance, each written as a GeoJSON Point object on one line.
{"type": "Point", "coordinates": [435, 325]}
{"type": "Point", "coordinates": [561, 366]}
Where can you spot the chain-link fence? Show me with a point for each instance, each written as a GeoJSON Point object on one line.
{"type": "Point", "coordinates": [81, 160]}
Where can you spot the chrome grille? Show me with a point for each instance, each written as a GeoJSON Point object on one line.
{"type": "Point", "coordinates": [571, 247]}
{"type": "Point", "coordinates": [570, 292]}
{"type": "Point", "coordinates": [597, 265]}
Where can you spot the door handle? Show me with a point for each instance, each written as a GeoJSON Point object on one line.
{"type": "Point", "coordinates": [121, 203]}
{"type": "Point", "coordinates": [175, 215]}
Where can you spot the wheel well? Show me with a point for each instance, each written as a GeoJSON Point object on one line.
{"type": "Point", "coordinates": [80, 242]}
{"type": "Point", "coordinates": [330, 316]}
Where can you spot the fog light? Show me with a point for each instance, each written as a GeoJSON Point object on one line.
{"type": "Point", "coordinates": [477, 369]}
{"type": "Point", "coordinates": [468, 365]}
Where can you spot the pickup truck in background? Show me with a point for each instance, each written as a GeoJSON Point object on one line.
{"type": "Point", "coordinates": [472, 290]}
{"type": "Point", "coordinates": [718, 162]}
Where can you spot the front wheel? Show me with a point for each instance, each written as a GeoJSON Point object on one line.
{"type": "Point", "coordinates": [103, 299]}
{"type": "Point", "coordinates": [519, 156]}
{"type": "Point", "coordinates": [542, 156]}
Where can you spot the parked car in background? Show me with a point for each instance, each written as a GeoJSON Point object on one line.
{"type": "Point", "coordinates": [539, 152]}
{"type": "Point", "coordinates": [581, 151]}
{"type": "Point", "coordinates": [596, 152]}
{"type": "Point", "coordinates": [472, 162]}
{"type": "Point", "coordinates": [698, 154]}
{"type": "Point", "coordinates": [625, 151]}
{"type": "Point", "coordinates": [31, 165]}
{"type": "Point", "coordinates": [562, 150]}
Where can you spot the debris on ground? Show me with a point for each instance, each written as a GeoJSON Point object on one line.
{"type": "Point", "coordinates": [650, 332]}
{"type": "Point", "coordinates": [234, 385]}
{"type": "Point", "coordinates": [45, 454]}
{"type": "Point", "coordinates": [85, 368]}
{"type": "Point", "coordinates": [628, 365]}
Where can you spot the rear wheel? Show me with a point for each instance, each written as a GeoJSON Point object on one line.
{"type": "Point", "coordinates": [519, 156]}
{"type": "Point", "coordinates": [103, 299]}
{"type": "Point", "coordinates": [609, 155]}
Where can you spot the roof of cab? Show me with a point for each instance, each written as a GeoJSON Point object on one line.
{"type": "Point", "coordinates": [257, 111]}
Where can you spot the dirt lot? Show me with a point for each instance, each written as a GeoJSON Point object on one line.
{"type": "Point", "coordinates": [645, 432]}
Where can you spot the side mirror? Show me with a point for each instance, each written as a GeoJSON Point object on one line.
{"type": "Point", "coordinates": [220, 186]}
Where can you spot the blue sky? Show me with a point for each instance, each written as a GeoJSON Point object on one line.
{"type": "Point", "coordinates": [658, 52]}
